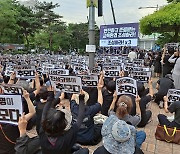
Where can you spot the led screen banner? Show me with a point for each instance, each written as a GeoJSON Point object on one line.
{"type": "Point", "coordinates": [119, 35]}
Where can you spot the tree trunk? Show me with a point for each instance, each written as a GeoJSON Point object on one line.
{"type": "Point", "coordinates": [27, 41]}
{"type": "Point", "coordinates": [50, 42]}
{"type": "Point", "coordinates": [176, 35]}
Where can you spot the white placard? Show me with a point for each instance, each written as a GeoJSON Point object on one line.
{"type": "Point", "coordinates": [118, 42]}
{"type": "Point", "coordinates": [69, 84]}
{"type": "Point", "coordinates": [111, 73]}
{"type": "Point", "coordinates": [141, 76]}
{"type": "Point", "coordinates": [173, 44]}
{"type": "Point", "coordinates": [126, 85]}
{"type": "Point", "coordinates": [11, 89]}
{"type": "Point", "coordinates": [10, 108]}
{"type": "Point", "coordinates": [59, 72]}
{"type": "Point", "coordinates": [89, 80]}
{"type": "Point", "coordinates": [26, 74]}
{"type": "Point", "coordinates": [173, 95]}
{"type": "Point", "coordinates": [90, 48]}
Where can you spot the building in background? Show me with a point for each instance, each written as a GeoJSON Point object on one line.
{"type": "Point", "coordinates": [147, 42]}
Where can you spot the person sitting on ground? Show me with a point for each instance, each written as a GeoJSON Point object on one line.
{"type": "Point", "coordinates": [146, 96]}
{"type": "Point", "coordinates": [53, 136]}
{"type": "Point", "coordinates": [163, 85]}
{"type": "Point", "coordinates": [173, 108]}
{"type": "Point", "coordinates": [108, 96]}
{"type": "Point", "coordinates": [89, 133]}
{"type": "Point", "coordinates": [9, 133]}
{"type": "Point", "coordinates": [118, 136]}
{"type": "Point", "coordinates": [24, 144]}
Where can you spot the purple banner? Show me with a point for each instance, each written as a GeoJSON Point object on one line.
{"type": "Point", "coordinates": [119, 31]}
{"type": "Point", "coordinates": [119, 35]}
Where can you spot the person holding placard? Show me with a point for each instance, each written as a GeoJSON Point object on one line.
{"type": "Point", "coordinates": [146, 96]}
{"type": "Point", "coordinates": [118, 131]}
{"type": "Point", "coordinates": [9, 133]}
{"type": "Point", "coordinates": [163, 85]}
{"type": "Point", "coordinates": [53, 136]}
{"type": "Point", "coordinates": [173, 108]}
{"type": "Point", "coordinates": [89, 133]}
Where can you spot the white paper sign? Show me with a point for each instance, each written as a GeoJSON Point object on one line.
{"type": "Point", "coordinates": [141, 76]}
{"type": "Point", "coordinates": [11, 89]}
{"type": "Point", "coordinates": [59, 72]}
{"type": "Point", "coordinates": [26, 74]}
{"type": "Point", "coordinates": [173, 95]}
{"type": "Point", "coordinates": [90, 48]}
{"type": "Point", "coordinates": [69, 84]}
{"type": "Point", "coordinates": [89, 80]}
{"type": "Point", "coordinates": [10, 108]}
{"type": "Point", "coordinates": [126, 85]}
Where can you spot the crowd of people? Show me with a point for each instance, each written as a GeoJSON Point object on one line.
{"type": "Point", "coordinates": [65, 121]}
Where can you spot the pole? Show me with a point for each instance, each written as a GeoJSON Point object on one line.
{"type": "Point", "coordinates": [113, 12]}
{"type": "Point", "coordinates": [91, 33]}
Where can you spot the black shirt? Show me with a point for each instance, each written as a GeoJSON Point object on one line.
{"type": "Point", "coordinates": [107, 100]}
{"type": "Point", "coordinates": [175, 107]}
{"type": "Point", "coordinates": [12, 132]}
{"type": "Point", "coordinates": [59, 145]}
{"type": "Point", "coordinates": [164, 85]}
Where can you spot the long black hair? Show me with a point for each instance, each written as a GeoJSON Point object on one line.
{"type": "Point", "coordinates": [54, 123]}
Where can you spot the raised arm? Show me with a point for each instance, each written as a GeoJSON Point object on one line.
{"type": "Point", "coordinates": [12, 78]}
{"type": "Point", "coordinates": [151, 92]}
{"type": "Point", "coordinates": [166, 104]}
{"type": "Point", "coordinates": [172, 59]}
{"type": "Point", "coordinates": [101, 79]}
{"type": "Point", "coordinates": [81, 112]}
{"type": "Point", "coordinates": [37, 84]}
{"type": "Point", "coordinates": [113, 102]}
{"type": "Point", "coordinates": [30, 105]}
{"type": "Point", "coordinates": [138, 111]}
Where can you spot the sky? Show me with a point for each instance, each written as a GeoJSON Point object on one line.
{"type": "Point", "coordinates": [126, 11]}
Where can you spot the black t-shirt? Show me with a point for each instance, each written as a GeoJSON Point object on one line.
{"type": "Point", "coordinates": [12, 132]}
{"type": "Point", "coordinates": [86, 130]}
{"type": "Point", "coordinates": [58, 145]}
{"type": "Point", "coordinates": [167, 63]}
{"type": "Point", "coordinates": [39, 110]}
{"type": "Point", "coordinates": [107, 100]}
{"type": "Point", "coordinates": [164, 85]}
{"type": "Point", "coordinates": [93, 95]}
{"type": "Point", "coordinates": [175, 107]}
{"type": "Point", "coordinates": [143, 102]}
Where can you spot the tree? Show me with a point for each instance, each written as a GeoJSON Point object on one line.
{"type": "Point", "coordinates": [167, 19]}
{"type": "Point", "coordinates": [8, 22]}
{"type": "Point", "coordinates": [50, 20]}
{"type": "Point", "coordinates": [169, 1]}
{"type": "Point", "coordinates": [79, 35]}
{"type": "Point", "coordinates": [27, 22]}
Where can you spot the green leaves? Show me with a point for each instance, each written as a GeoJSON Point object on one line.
{"type": "Point", "coordinates": [167, 19]}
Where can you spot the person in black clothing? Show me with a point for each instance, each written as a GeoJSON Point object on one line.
{"type": "Point", "coordinates": [93, 95]}
{"type": "Point", "coordinates": [146, 96]}
{"type": "Point", "coordinates": [157, 65]}
{"type": "Point", "coordinates": [163, 85]}
{"type": "Point", "coordinates": [173, 108]}
{"type": "Point", "coordinates": [108, 97]}
{"type": "Point", "coordinates": [89, 133]}
{"type": "Point", "coordinates": [167, 66]}
{"type": "Point", "coordinates": [52, 136]}
{"type": "Point", "coordinates": [9, 133]}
